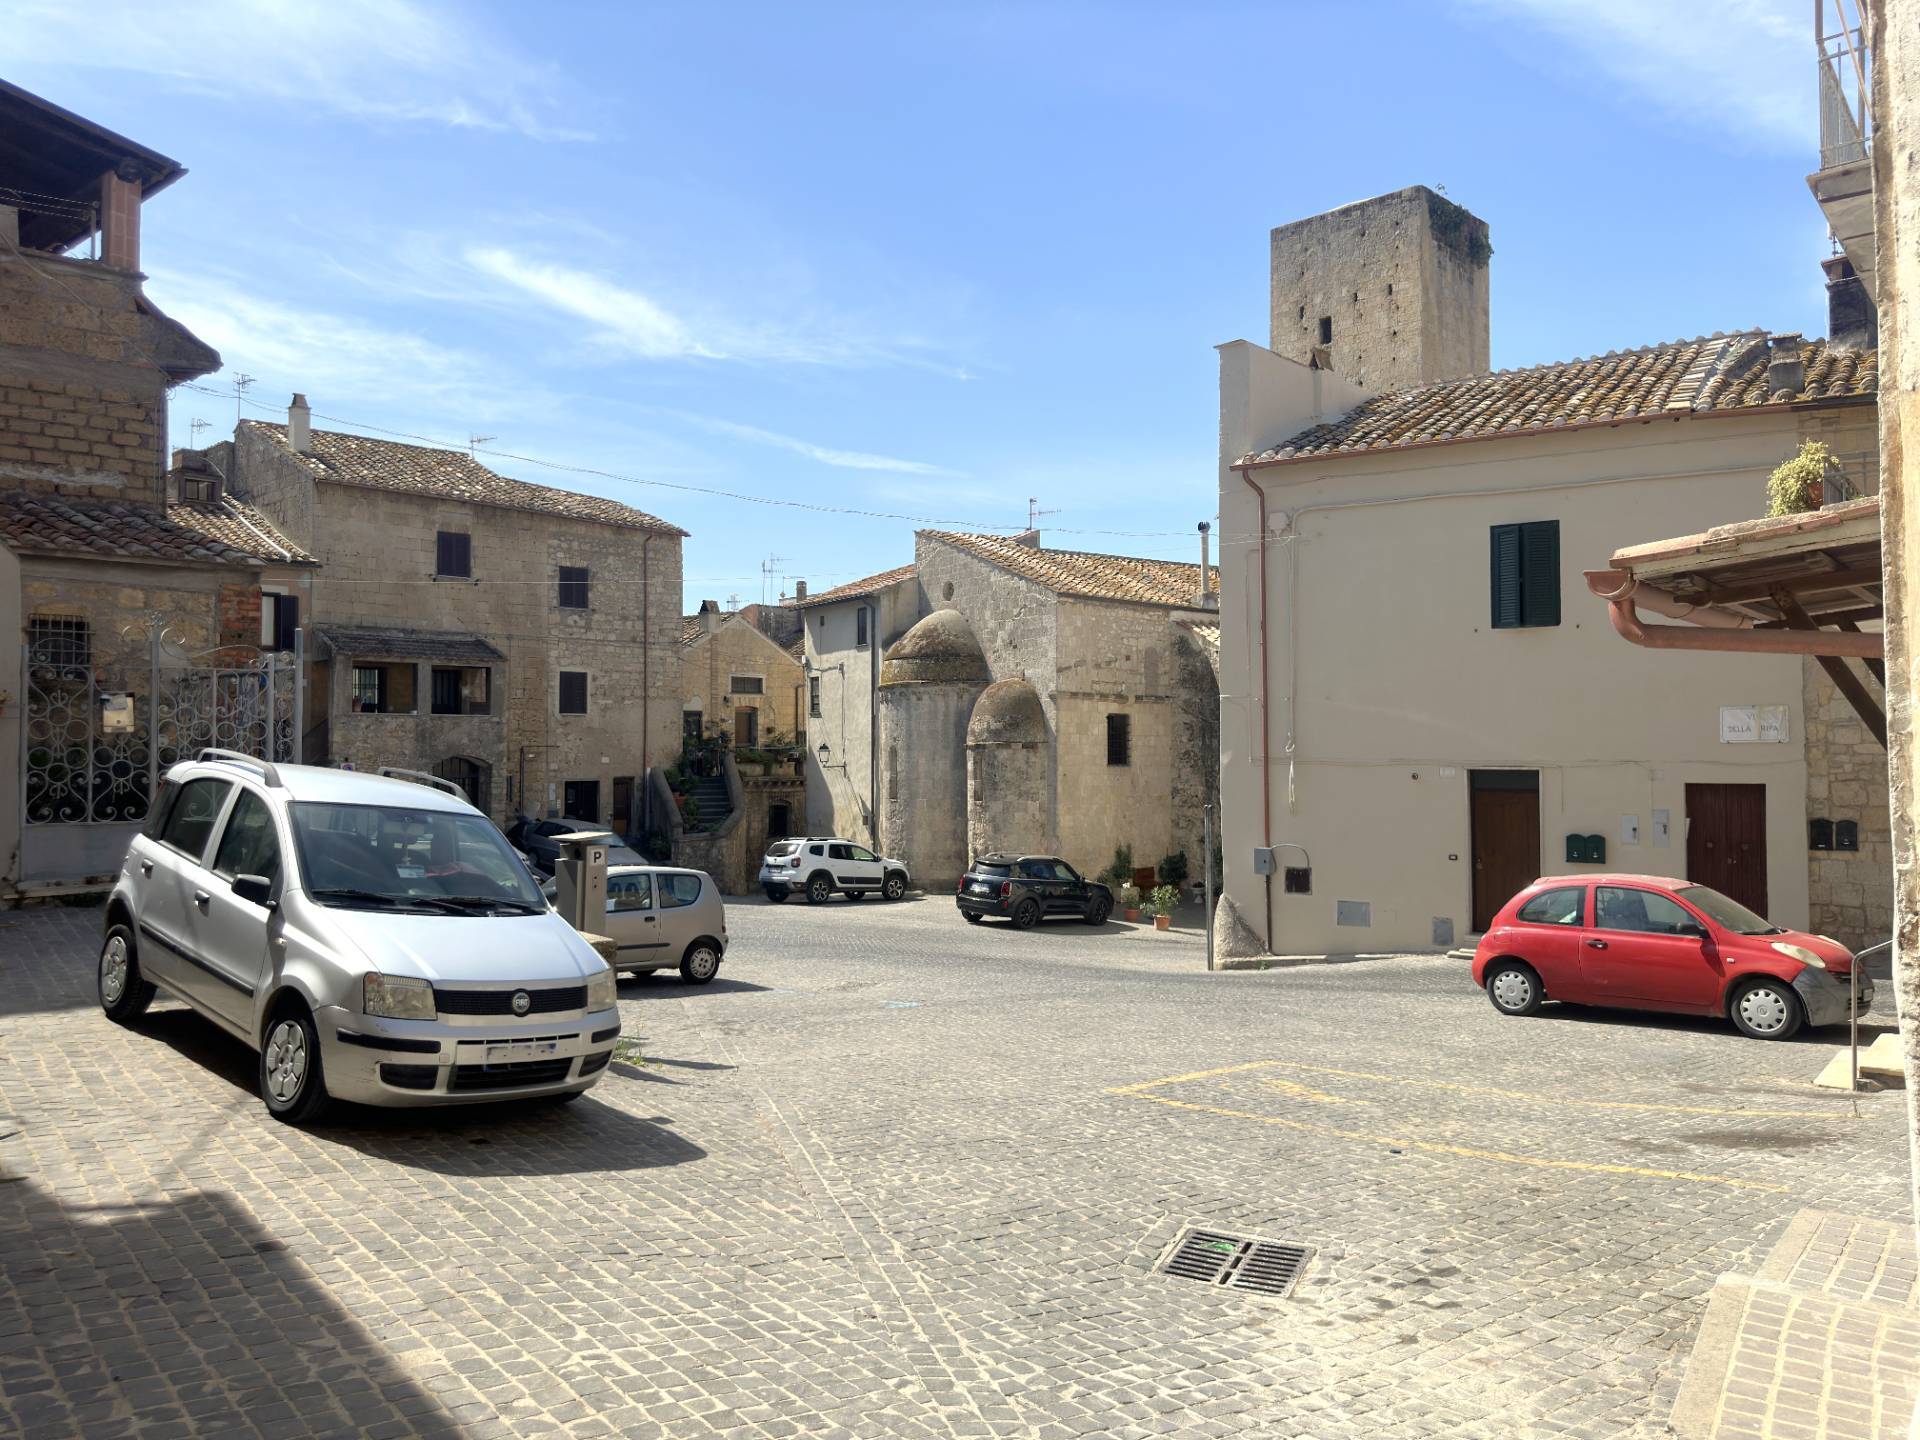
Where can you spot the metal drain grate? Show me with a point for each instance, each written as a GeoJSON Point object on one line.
{"type": "Point", "coordinates": [1238, 1262]}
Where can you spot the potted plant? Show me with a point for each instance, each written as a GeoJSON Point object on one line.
{"type": "Point", "coordinates": [1129, 896]}
{"type": "Point", "coordinates": [1161, 905]}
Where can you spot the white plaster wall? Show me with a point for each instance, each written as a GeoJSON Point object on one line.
{"type": "Point", "coordinates": [841, 801]}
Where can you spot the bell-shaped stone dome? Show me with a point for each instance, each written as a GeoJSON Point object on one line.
{"type": "Point", "coordinates": [1008, 713]}
{"type": "Point", "coordinates": [939, 650]}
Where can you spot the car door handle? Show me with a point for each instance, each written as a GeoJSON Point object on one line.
{"type": "Point", "coordinates": [1596, 944]}
{"type": "Point", "coordinates": [647, 919]}
{"type": "Point", "coordinates": [146, 867]}
{"type": "Point", "coordinates": [200, 898]}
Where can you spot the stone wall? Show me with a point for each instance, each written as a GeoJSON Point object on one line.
{"type": "Point", "coordinates": [708, 664]}
{"type": "Point", "coordinates": [1849, 893]}
{"type": "Point", "coordinates": [842, 795]}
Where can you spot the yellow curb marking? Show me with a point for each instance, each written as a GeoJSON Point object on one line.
{"type": "Point", "coordinates": [1300, 1092]}
{"type": "Point", "coordinates": [1141, 1091]}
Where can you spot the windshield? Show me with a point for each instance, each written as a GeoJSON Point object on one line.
{"type": "Point", "coordinates": [384, 856]}
{"type": "Point", "coordinates": [1728, 914]}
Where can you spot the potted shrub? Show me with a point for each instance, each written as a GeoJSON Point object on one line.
{"type": "Point", "coordinates": [1129, 897]}
{"type": "Point", "coordinates": [1161, 905]}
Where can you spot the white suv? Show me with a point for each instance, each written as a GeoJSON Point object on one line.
{"type": "Point", "coordinates": [374, 939]}
{"type": "Point", "coordinates": [817, 866]}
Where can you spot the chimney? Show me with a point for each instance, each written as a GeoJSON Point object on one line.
{"type": "Point", "coordinates": [799, 591]}
{"type": "Point", "coordinates": [1853, 320]}
{"type": "Point", "coordinates": [709, 615]}
{"type": "Point", "coordinates": [1206, 589]}
{"type": "Point", "coordinates": [1028, 538]}
{"type": "Point", "coordinates": [300, 426]}
{"type": "Point", "coordinates": [120, 216]}
{"type": "Point", "coordinates": [1786, 371]}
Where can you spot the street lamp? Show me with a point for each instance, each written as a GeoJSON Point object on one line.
{"type": "Point", "coordinates": [825, 753]}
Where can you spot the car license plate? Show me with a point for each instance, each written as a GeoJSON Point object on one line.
{"type": "Point", "coordinates": [526, 1050]}
{"type": "Point", "coordinates": [981, 889]}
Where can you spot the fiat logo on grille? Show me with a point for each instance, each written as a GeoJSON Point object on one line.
{"type": "Point", "coordinates": [522, 1002]}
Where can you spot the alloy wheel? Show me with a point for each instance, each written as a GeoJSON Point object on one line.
{"type": "Point", "coordinates": [113, 970]}
{"type": "Point", "coordinates": [286, 1060]}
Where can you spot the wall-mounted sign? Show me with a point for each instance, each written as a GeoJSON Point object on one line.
{"type": "Point", "coordinates": [1753, 725]}
{"type": "Point", "coordinates": [116, 714]}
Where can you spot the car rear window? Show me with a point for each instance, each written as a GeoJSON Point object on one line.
{"type": "Point", "coordinates": [988, 868]}
{"type": "Point", "coordinates": [783, 847]}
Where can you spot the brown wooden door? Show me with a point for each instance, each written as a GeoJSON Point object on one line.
{"type": "Point", "coordinates": [622, 819]}
{"type": "Point", "coordinates": [746, 727]}
{"type": "Point", "coordinates": [1506, 838]}
{"type": "Point", "coordinates": [1727, 841]}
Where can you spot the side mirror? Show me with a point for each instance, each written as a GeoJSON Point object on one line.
{"type": "Point", "coordinates": [256, 890]}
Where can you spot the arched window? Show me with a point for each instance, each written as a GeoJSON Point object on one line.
{"type": "Point", "coordinates": [472, 776]}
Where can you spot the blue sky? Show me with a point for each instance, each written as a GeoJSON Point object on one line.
{"type": "Point", "coordinates": [925, 260]}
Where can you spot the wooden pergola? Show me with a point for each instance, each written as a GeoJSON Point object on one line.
{"type": "Point", "coordinates": [1807, 584]}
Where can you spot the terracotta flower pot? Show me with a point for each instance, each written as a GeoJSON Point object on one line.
{"type": "Point", "coordinates": [1163, 922]}
{"type": "Point", "coordinates": [1133, 916]}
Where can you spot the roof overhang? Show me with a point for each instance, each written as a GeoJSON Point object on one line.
{"type": "Point", "coordinates": [58, 156]}
{"type": "Point", "coordinates": [1807, 584]}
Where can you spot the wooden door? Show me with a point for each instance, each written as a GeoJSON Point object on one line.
{"type": "Point", "coordinates": [1727, 841]}
{"type": "Point", "coordinates": [622, 805]}
{"type": "Point", "coordinates": [1505, 813]}
{"type": "Point", "coordinates": [746, 728]}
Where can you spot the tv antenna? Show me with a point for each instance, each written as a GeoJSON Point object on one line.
{"type": "Point", "coordinates": [195, 426]}
{"type": "Point", "coordinates": [242, 382]}
{"type": "Point", "coordinates": [1034, 512]}
{"type": "Point", "coordinates": [769, 568]}
{"type": "Point", "coordinates": [474, 442]}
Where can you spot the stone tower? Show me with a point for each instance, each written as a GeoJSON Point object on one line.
{"type": "Point", "coordinates": [929, 682]}
{"type": "Point", "coordinates": [1393, 289]}
{"type": "Point", "coordinates": [1009, 787]}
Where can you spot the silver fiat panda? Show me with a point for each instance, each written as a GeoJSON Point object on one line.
{"type": "Point", "coordinates": [374, 939]}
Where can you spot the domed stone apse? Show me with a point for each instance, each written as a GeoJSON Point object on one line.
{"type": "Point", "coordinates": [929, 682]}
{"type": "Point", "coordinates": [1009, 779]}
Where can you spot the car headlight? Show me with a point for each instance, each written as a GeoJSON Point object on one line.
{"type": "Point", "coordinates": [398, 997]}
{"type": "Point", "coordinates": [602, 994]}
{"type": "Point", "coordinates": [1800, 953]}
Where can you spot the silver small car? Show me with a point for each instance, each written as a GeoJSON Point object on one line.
{"type": "Point", "coordinates": [374, 939]}
{"type": "Point", "coordinates": [661, 916]}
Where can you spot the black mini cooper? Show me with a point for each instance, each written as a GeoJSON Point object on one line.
{"type": "Point", "coordinates": [1027, 889]}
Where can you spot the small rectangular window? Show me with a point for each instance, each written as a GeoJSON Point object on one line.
{"type": "Point", "coordinates": [1119, 739]}
{"type": "Point", "coordinates": [370, 688]}
{"type": "Point", "coordinates": [1525, 562]}
{"type": "Point", "coordinates": [573, 692]}
{"type": "Point", "coordinates": [453, 555]}
{"type": "Point", "coordinates": [279, 618]}
{"type": "Point", "coordinates": [813, 696]}
{"type": "Point", "coordinates": [1326, 329]}
{"type": "Point", "coordinates": [446, 691]}
{"type": "Point", "coordinates": [746, 684]}
{"type": "Point", "coordinates": [60, 640]}
{"type": "Point", "coordinates": [573, 587]}
{"type": "Point", "coordinates": [860, 627]}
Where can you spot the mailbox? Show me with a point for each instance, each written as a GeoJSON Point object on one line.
{"type": "Point", "coordinates": [1846, 835]}
{"type": "Point", "coordinates": [1820, 834]}
{"type": "Point", "coordinates": [580, 879]}
{"type": "Point", "coordinates": [1586, 849]}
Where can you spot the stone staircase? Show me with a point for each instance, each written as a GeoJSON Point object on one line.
{"type": "Point", "coordinates": [709, 794]}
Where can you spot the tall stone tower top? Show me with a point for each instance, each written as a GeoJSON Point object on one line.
{"type": "Point", "coordinates": [1393, 291]}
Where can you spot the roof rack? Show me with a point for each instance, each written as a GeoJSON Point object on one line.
{"type": "Point", "coordinates": [421, 777]}
{"type": "Point", "coordinates": [236, 757]}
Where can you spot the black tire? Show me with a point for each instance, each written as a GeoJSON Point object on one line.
{"type": "Point", "coordinates": [701, 962]}
{"type": "Point", "coordinates": [896, 885]}
{"type": "Point", "coordinates": [124, 996]}
{"type": "Point", "coordinates": [972, 919]}
{"type": "Point", "coordinates": [1026, 915]}
{"type": "Point", "coordinates": [819, 890]}
{"type": "Point", "coordinates": [1514, 988]}
{"type": "Point", "coordinates": [856, 894]}
{"type": "Point", "coordinates": [777, 896]}
{"type": "Point", "coordinates": [1767, 1010]}
{"type": "Point", "coordinates": [292, 1081]}
{"type": "Point", "coordinates": [1098, 909]}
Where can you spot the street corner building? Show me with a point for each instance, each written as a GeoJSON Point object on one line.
{"type": "Point", "coordinates": [132, 587]}
{"type": "Point", "coordinates": [1000, 695]}
{"type": "Point", "coordinates": [1423, 708]}
{"type": "Point", "coordinates": [516, 639]}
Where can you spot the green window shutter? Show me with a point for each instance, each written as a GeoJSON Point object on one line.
{"type": "Point", "coordinates": [1540, 572]}
{"type": "Point", "coordinates": [1507, 612]}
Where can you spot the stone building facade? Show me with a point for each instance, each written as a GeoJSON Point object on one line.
{"type": "Point", "coordinates": [518, 639]}
{"type": "Point", "coordinates": [115, 568]}
{"type": "Point", "coordinates": [738, 681]}
{"type": "Point", "coordinates": [1041, 700]}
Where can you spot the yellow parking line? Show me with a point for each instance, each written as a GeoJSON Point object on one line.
{"type": "Point", "coordinates": [1298, 1091]}
{"type": "Point", "coordinates": [1499, 1156]}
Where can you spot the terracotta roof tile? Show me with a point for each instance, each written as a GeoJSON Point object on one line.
{"type": "Point", "coordinates": [1088, 574]}
{"type": "Point", "coordinates": [1713, 373]}
{"type": "Point", "coordinates": [235, 523]}
{"type": "Point", "coordinates": [858, 589]}
{"type": "Point", "coordinates": [451, 475]}
{"type": "Point", "coordinates": [113, 529]}
{"type": "Point", "coordinates": [384, 642]}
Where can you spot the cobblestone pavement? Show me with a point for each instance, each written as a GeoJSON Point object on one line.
{"type": "Point", "coordinates": [894, 1175]}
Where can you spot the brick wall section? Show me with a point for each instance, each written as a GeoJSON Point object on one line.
{"type": "Point", "coordinates": [82, 408]}
{"type": "Point", "coordinates": [1849, 894]}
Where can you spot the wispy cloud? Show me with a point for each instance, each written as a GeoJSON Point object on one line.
{"type": "Point", "coordinates": [826, 455]}
{"type": "Point", "coordinates": [388, 60]}
{"type": "Point", "coordinates": [1743, 66]}
{"type": "Point", "coordinates": [622, 319]}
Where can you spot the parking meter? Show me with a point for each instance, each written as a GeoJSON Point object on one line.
{"type": "Point", "coordinates": [580, 879]}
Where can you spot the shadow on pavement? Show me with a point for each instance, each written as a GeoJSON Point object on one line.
{"type": "Point", "coordinates": [1826, 1036]}
{"type": "Point", "coordinates": [636, 986]}
{"type": "Point", "coordinates": [501, 1137]}
{"type": "Point", "coordinates": [182, 1317]}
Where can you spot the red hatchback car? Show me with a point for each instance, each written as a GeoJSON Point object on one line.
{"type": "Point", "coordinates": [1650, 942]}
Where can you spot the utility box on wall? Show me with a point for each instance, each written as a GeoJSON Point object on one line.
{"type": "Point", "coordinates": [1586, 849]}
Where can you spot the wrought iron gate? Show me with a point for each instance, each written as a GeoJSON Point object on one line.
{"type": "Point", "coordinates": [100, 727]}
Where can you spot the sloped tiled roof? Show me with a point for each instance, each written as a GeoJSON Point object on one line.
{"type": "Point", "coordinates": [389, 642]}
{"type": "Point", "coordinates": [858, 589]}
{"type": "Point", "coordinates": [451, 475]}
{"type": "Point", "coordinates": [1715, 373]}
{"type": "Point", "coordinates": [115, 530]}
{"type": "Point", "coordinates": [1087, 574]}
{"type": "Point", "coordinates": [237, 524]}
